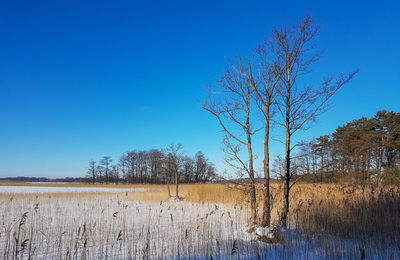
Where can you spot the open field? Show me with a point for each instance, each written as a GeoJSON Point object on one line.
{"type": "Point", "coordinates": [139, 221]}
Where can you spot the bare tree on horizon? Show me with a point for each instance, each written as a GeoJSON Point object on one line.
{"type": "Point", "coordinates": [105, 162]}
{"type": "Point", "coordinates": [92, 171]}
{"type": "Point", "coordinates": [231, 104]}
{"type": "Point", "coordinates": [293, 47]}
{"type": "Point", "coordinates": [173, 165]}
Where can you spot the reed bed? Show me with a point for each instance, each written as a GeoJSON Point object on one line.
{"type": "Point", "coordinates": [369, 214]}
{"type": "Point", "coordinates": [327, 221]}
{"type": "Point", "coordinates": [109, 228]}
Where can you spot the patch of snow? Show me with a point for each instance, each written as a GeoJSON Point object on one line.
{"type": "Point", "coordinates": [175, 199]}
{"type": "Point", "coordinates": [41, 190]}
{"type": "Point", "coordinates": [264, 231]}
{"type": "Point", "coordinates": [111, 227]}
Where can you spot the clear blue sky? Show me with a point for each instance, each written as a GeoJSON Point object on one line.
{"type": "Point", "coordinates": [80, 79]}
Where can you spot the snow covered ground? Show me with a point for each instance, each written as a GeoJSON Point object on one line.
{"type": "Point", "coordinates": [110, 228]}
{"type": "Point", "coordinates": [113, 227]}
{"type": "Point", "coordinates": [41, 190]}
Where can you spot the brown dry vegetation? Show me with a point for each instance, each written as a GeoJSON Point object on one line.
{"type": "Point", "coordinates": [342, 210]}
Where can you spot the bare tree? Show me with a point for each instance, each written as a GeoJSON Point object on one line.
{"type": "Point", "coordinates": [264, 80]}
{"type": "Point", "coordinates": [156, 158]}
{"type": "Point", "coordinates": [232, 108]}
{"type": "Point", "coordinates": [173, 165]}
{"type": "Point", "coordinates": [189, 173]}
{"type": "Point", "coordinates": [293, 48]}
{"type": "Point", "coordinates": [92, 171]}
{"type": "Point", "coordinates": [99, 173]}
{"type": "Point", "coordinates": [269, 74]}
{"type": "Point", "coordinates": [210, 173]}
{"type": "Point", "coordinates": [153, 166]}
{"type": "Point", "coordinates": [105, 162]}
{"type": "Point", "coordinates": [201, 166]}
{"type": "Point", "coordinates": [131, 161]}
{"type": "Point", "coordinates": [123, 165]}
{"type": "Point", "coordinates": [114, 174]}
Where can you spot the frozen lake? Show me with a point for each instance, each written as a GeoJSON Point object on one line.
{"type": "Point", "coordinates": [42, 190]}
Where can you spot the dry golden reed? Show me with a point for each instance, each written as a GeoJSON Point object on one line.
{"type": "Point", "coordinates": [344, 210]}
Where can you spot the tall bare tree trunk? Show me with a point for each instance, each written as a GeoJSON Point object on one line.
{"type": "Point", "coordinates": [286, 190]}
{"type": "Point", "coordinates": [266, 215]}
{"type": "Point", "coordinates": [253, 200]}
{"type": "Point", "coordinates": [285, 211]}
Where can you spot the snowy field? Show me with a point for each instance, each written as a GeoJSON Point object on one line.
{"type": "Point", "coordinates": [109, 226]}
{"type": "Point", "coordinates": [41, 190]}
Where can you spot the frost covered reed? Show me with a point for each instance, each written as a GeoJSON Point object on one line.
{"type": "Point", "coordinates": [327, 222]}
{"type": "Point", "coordinates": [103, 227]}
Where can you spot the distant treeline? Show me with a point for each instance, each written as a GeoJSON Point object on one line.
{"type": "Point", "coordinates": [152, 166]}
{"type": "Point", "coordinates": [366, 149]}
{"type": "Point", "coordinates": [41, 179]}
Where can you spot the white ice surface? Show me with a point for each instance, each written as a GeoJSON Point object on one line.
{"type": "Point", "coordinates": [41, 190]}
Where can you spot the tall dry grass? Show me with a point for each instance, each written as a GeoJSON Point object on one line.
{"type": "Point", "coordinates": [343, 211]}
{"type": "Point", "coordinates": [366, 213]}
{"type": "Point", "coordinates": [348, 212]}
{"type": "Point", "coordinates": [118, 226]}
